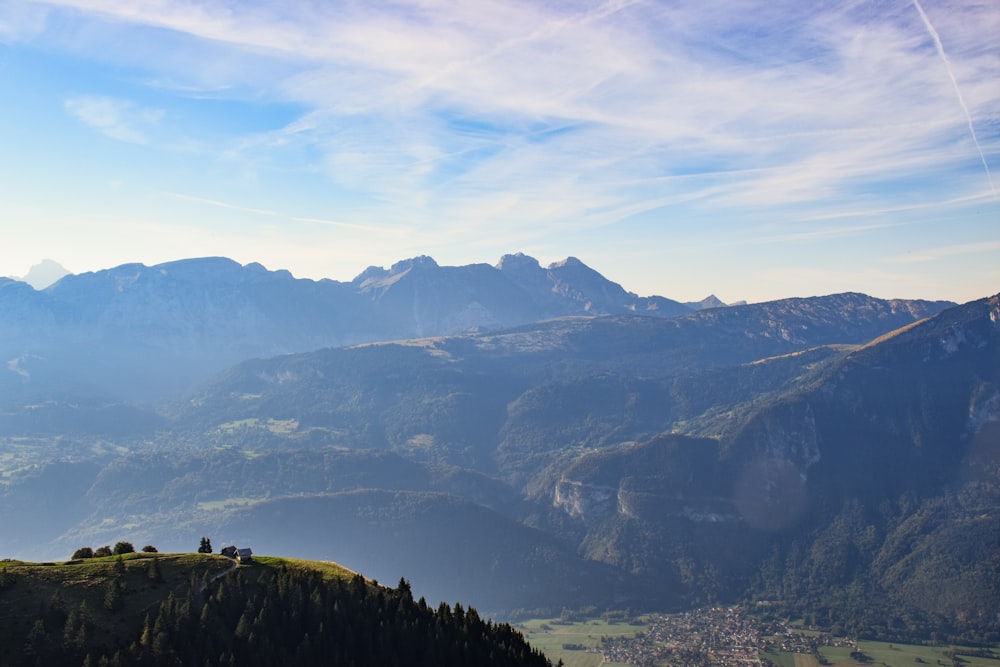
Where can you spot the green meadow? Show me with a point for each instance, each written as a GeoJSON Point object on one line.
{"type": "Point", "coordinates": [553, 636]}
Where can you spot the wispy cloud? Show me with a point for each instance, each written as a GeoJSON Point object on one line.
{"type": "Point", "coordinates": [222, 204]}
{"type": "Point", "coordinates": [20, 21]}
{"type": "Point", "coordinates": [119, 119]}
{"type": "Point", "coordinates": [941, 252]}
{"type": "Point", "coordinates": [368, 229]}
{"type": "Point", "coordinates": [825, 98]}
{"type": "Point", "coordinates": [958, 91]}
{"type": "Point", "coordinates": [876, 212]}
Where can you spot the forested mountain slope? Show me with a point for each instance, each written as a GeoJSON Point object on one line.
{"type": "Point", "coordinates": [204, 610]}
{"type": "Point", "coordinates": [866, 494]}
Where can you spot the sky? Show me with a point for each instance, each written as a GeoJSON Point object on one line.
{"type": "Point", "coordinates": [751, 149]}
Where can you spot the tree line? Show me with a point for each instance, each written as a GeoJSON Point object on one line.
{"type": "Point", "coordinates": [120, 549]}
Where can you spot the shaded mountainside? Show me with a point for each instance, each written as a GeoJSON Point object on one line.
{"type": "Point", "coordinates": [907, 463]}
{"type": "Point", "coordinates": [454, 533]}
{"type": "Point", "coordinates": [807, 435]}
{"type": "Point", "coordinates": [867, 495]}
{"type": "Point", "coordinates": [203, 610]}
{"type": "Point", "coordinates": [904, 413]}
{"type": "Point", "coordinates": [512, 401]}
{"type": "Point", "coordinates": [448, 547]}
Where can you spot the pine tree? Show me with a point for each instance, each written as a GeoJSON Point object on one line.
{"type": "Point", "coordinates": [147, 632]}
{"type": "Point", "coordinates": [71, 628]}
{"type": "Point", "coordinates": [37, 643]}
{"type": "Point", "coordinates": [113, 595]}
{"type": "Point", "coordinates": [153, 570]}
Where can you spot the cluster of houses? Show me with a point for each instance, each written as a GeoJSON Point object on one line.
{"type": "Point", "coordinates": [712, 637]}
{"type": "Point", "coordinates": [239, 555]}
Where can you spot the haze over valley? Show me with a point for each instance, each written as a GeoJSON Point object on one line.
{"type": "Point", "coordinates": [521, 438]}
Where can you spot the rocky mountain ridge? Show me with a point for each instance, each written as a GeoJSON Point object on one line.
{"type": "Point", "coordinates": [151, 331]}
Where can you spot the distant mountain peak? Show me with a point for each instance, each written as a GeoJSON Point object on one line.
{"type": "Point", "coordinates": [45, 273]}
{"type": "Point", "coordinates": [710, 301]}
{"type": "Point", "coordinates": [372, 273]}
{"type": "Point", "coordinates": [421, 262]}
{"type": "Point", "coordinates": [573, 276]}
{"type": "Point", "coordinates": [518, 262]}
{"type": "Point", "coordinates": [223, 263]}
{"type": "Point", "coordinates": [567, 263]}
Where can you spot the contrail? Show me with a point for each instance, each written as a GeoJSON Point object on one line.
{"type": "Point", "coordinates": [954, 83]}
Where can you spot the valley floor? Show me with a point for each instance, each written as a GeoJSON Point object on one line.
{"type": "Point", "coordinates": [729, 637]}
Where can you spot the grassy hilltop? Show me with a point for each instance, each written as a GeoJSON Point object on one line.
{"type": "Point", "coordinates": [201, 609]}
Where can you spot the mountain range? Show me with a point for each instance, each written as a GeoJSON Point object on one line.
{"type": "Point", "coordinates": [835, 457]}
{"type": "Point", "coordinates": [155, 331]}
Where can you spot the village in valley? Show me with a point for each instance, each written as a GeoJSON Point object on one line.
{"type": "Point", "coordinates": [734, 636]}
{"type": "Point", "coordinates": [706, 637]}
{"type": "Point", "coordinates": [723, 636]}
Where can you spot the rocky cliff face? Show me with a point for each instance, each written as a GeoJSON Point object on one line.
{"type": "Point", "coordinates": [639, 499]}
{"type": "Point", "coordinates": [588, 502]}
{"type": "Point", "coordinates": [669, 477]}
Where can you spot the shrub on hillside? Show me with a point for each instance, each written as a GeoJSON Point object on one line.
{"type": "Point", "coordinates": [123, 548]}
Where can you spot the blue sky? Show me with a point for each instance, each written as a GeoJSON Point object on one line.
{"type": "Point", "coordinates": [751, 149]}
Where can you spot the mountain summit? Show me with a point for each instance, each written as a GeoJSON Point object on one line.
{"type": "Point", "coordinates": [45, 273]}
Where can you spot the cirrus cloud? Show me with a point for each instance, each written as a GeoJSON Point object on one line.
{"type": "Point", "coordinates": [117, 118]}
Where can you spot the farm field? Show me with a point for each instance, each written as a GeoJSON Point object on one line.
{"type": "Point", "coordinates": [885, 654]}
{"type": "Point", "coordinates": [551, 635]}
